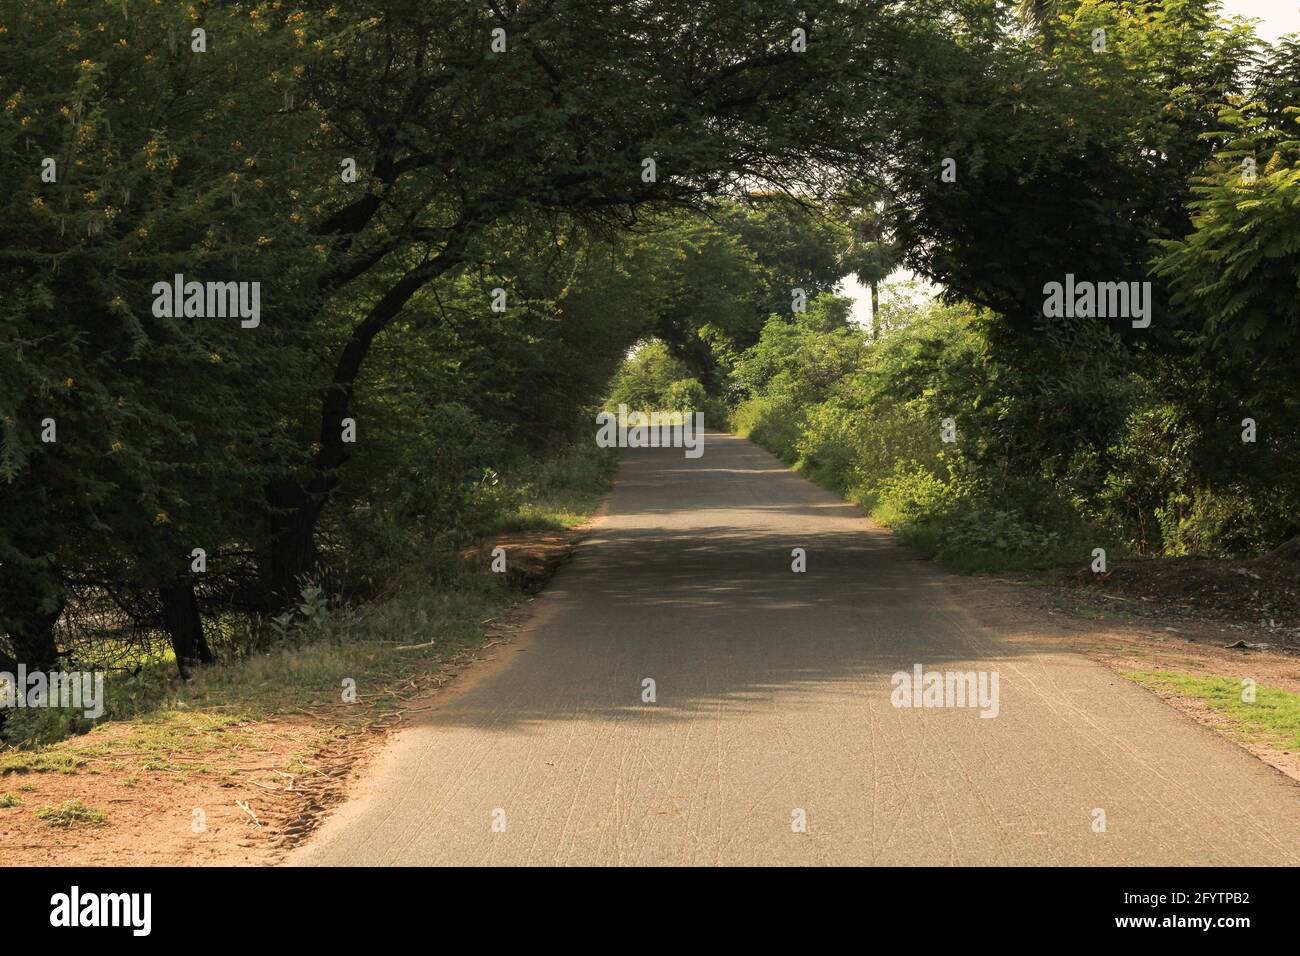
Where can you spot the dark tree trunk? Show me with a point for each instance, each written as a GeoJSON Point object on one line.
{"type": "Point", "coordinates": [181, 618]}
{"type": "Point", "coordinates": [32, 638]}
{"type": "Point", "coordinates": [293, 545]}
{"type": "Point", "coordinates": [31, 634]}
{"type": "Point", "coordinates": [875, 311]}
{"type": "Point", "coordinates": [296, 506]}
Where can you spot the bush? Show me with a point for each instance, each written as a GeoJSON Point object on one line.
{"type": "Point", "coordinates": [776, 424]}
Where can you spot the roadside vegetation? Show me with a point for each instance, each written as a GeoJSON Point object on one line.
{"type": "Point", "coordinates": [231, 519]}
{"type": "Point", "coordinates": [1266, 715]}
{"type": "Point", "coordinates": [295, 663]}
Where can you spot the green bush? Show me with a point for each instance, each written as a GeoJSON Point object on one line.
{"type": "Point", "coordinates": [776, 424]}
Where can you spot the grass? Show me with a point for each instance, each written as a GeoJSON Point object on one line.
{"type": "Point", "coordinates": [1273, 718]}
{"type": "Point", "coordinates": [9, 800]}
{"type": "Point", "coordinates": [156, 723]}
{"type": "Point", "coordinates": [561, 493]}
{"type": "Point", "coordinates": [187, 728]}
{"type": "Point", "coordinates": [71, 813]}
{"type": "Point", "coordinates": [39, 761]}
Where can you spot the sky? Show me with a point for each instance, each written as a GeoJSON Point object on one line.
{"type": "Point", "coordinates": [1277, 18]}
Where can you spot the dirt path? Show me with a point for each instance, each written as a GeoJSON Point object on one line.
{"type": "Point", "coordinates": [773, 704]}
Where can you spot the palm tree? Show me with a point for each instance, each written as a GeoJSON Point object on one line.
{"type": "Point", "coordinates": [872, 256]}
{"type": "Point", "coordinates": [1038, 13]}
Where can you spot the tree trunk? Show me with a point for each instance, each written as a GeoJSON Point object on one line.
{"type": "Point", "coordinates": [32, 638]}
{"type": "Point", "coordinates": [296, 507]}
{"type": "Point", "coordinates": [181, 618]}
{"type": "Point", "coordinates": [31, 632]}
{"type": "Point", "coordinates": [875, 311]}
{"type": "Point", "coordinates": [293, 545]}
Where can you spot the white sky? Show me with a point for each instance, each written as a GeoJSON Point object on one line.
{"type": "Point", "coordinates": [1276, 18]}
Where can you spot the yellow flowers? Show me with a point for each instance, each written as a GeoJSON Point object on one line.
{"type": "Point", "coordinates": [11, 104]}
{"type": "Point", "coordinates": [216, 358]}
{"type": "Point", "coordinates": [89, 195]}
{"type": "Point", "coordinates": [69, 383]}
{"type": "Point", "coordinates": [160, 518]}
{"type": "Point", "coordinates": [263, 240]}
{"type": "Point", "coordinates": [38, 202]}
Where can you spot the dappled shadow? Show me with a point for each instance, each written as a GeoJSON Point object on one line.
{"type": "Point", "coordinates": [689, 581]}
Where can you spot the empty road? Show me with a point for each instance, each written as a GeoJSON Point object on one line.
{"type": "Point", "coordinates": [772, 738]}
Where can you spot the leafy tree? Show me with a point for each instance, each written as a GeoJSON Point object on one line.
{"type": "Point", "coordinates": [131, 438]}
{"type": "Point", "coordinates": [457, 137]}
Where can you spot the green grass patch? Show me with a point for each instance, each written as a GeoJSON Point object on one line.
{"type": "Point", "coordinates": [72, 813]}
{"type": "Point", "coordinates": [561, 492]}
{"type": "Point", "coordinates": [9, 800]}
{"type": "Point", "coordinates": [1273, 717]}
{"type": "Point", "coordinates": [39, 761]}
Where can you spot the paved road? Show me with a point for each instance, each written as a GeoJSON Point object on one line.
{"type": "Point", "coordinates": [773, 695]}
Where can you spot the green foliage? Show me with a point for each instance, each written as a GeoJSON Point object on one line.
{"type": "Point", "coordinates": [647, 378]}
{"type": "Point", "coordinates": [522, 172]}
{"type": "Point", "coordinates": [1236, 270]}
{"type": "Point", "coordinates": [873, 429]}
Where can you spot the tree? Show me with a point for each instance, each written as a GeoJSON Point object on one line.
{"type": "Point", "coordinates": [661, 104]}
{"type": "Point", "coordinates": [131, 436]}
{"type": "Point", "coordinates": [872, 257]}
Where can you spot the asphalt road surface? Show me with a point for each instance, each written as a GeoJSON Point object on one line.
{"type": "Point", "coordinates": [772, 738]}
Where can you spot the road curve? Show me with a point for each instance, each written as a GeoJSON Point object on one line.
{"type": "Point", "coordinates": [773, 705]}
